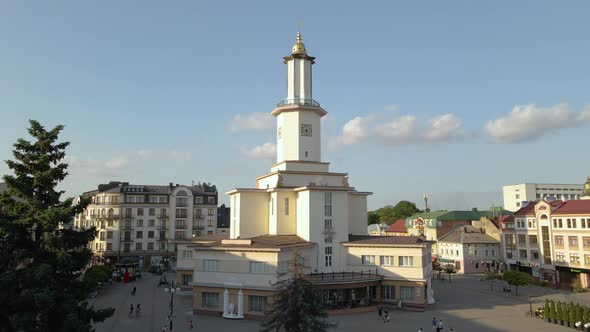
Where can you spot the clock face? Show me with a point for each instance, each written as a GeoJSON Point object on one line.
{"type": "Point", "coordinates": [305, 130]}
{"type": "Point", "coordinates": [280, 133]}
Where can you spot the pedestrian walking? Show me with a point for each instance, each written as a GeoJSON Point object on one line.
{"type": "Point", "coordinates": [420, 330]}
{"type": "Point", "coordinates": [190, 325]}
{"type": "Point", "coordinates": [386, 316]}
{"type": "Point", "coordinates": [164, 328]}
{"type": "Point", "coordinates": [434, 324]}
{"type": "Point", "coordinates": [440, 325]}
{"type": "Point", "coordinates": [138, 311]}
{"type": "Point", "coordinates": [380, 312]}
{"type": "Point", "coordinates": [133, 291]}
{"type": "Point", "coordinates": [131, 311]}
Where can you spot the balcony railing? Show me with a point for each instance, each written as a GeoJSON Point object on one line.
{"type": "Point", "coordinates": [198, 227]}
{"type": "Point", "coordinates": [127, 226]}
{"type": "Point", "coordinates": [180, 226]}
{"type": "Point", "coordinates": [128, 216]}
{"type": "Point", "coordinates": [161, 238]}
{"type": "Point", "coordinates": [162, 216]}
{"type": "Point", "coordinates": [126, 239]}
{"type": "Point", "coordinates": [162, 227]}
{"type": "Point", "coordinates": [299, 101]}
{"type": "Point", "coordinates": [343, 276]}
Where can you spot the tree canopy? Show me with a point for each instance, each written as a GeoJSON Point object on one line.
{"type": "Point", "coordinates": [517, 278]}
{"type": "Point", "coordinates": [42, 261]}
{"type": "Point", "coordinates": [389, 214]}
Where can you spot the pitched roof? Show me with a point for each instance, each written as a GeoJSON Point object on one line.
{"type": "Point", "coordinates": [526, 210]}
{"type": "Point", "coordinates": [384, 240]}
{"type": "Point", "coordinates": [581, 206]}
{"type": "Point", "coordinates": [468, 234]}
{"type": "Point", "coordinates": [397, 227]}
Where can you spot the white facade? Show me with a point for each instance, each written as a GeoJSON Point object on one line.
{"type": "Point", "coordinates": [302, 210]}
{"type": "Point", "coordinates": [515, 194]}
{"type": "Point", "coordinates": [300, 196]}
{"type": "Point", "coordinates": [145, 221]}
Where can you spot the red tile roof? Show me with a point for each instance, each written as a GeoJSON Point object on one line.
{"type": "Point", "coordinates": [397, 227]}
{"type": "Point", "coordinates": [529, 209]}
{"type": "Point", "coordinates": [574, 207]}
{"type": "Point", "coordinates": [506, 218]}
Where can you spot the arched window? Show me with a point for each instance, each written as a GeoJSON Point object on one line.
{"type": "Point", "coordinates": [103, 213]}
{"type": "Point", "coordinates": [543, 217]}
{"type": "Point", "coordinates": [181, 193]}
{"type": "Point", "coordinates": [111, 212]}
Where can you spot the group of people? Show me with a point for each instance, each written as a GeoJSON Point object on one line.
{"type": "Point", "coordinates": [383, 314]}
{"type": "Point", "coordinates": [437, 326]}
{"type": "Point", "coordinates": [137, 311]}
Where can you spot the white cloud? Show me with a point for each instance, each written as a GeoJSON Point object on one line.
{"type": "Point", "coordinates": [530, 122]}
{"type": "Point", "coordinates": [405, 129]}
{"type": "Point", "coordinates": [353, 131]}
{"type": "Point", "coordinates": [116, 163]}
{"type": "Point", "coordinates": [258, 121]}
{"type": "Point", "coordinates": [266, 151]}
{"type": "Point", "coordinates": [408, 130]}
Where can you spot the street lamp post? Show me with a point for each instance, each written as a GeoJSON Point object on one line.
{"type": "Point", "coordinates": [531, 305]}
{"type": "Point", "coordinates": [171, 290]}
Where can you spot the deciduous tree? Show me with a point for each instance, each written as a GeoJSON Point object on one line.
{"type": "Point", "coordinates": [517, 278]}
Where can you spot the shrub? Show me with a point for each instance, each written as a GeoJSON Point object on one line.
{"type": "Point", "coordinates": [559, 311]}
{"type": "Point", "coordinates": [546, 309]}
{"type": "Point", "coordinates": [585, 314]}
{"type": "Point", "coordinates": [552, 311]}
{"type": "Point", "coordinates": [571, 310]}
{"type": "Point", "coordinates": [96, 274]}
{"type": "Point", "coordinates": [578, 310]}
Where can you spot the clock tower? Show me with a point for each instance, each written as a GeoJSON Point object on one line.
{"type": "Point", "coordinates": [298, 116]}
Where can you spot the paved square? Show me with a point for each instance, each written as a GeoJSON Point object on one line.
{"type": "Point", "coordinates": [465, 304]}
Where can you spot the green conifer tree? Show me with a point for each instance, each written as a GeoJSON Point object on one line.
{"type": "Point", "coordinates": [546, 309]}
{"type": "Point", "coordinates": [559, 311]}
{"type": "Point", "coordinates": [585, 314]}
{"type": "Point", "coordinates": [297, 306]}
{"type": "Point", "coordinates": [552, 313]}
{"type": "Point", "coordinates": [42, 261]}
{"type": "Point", "coordinates": [578, 313]}
{"type": "Point", "coordinates": [571, 311]}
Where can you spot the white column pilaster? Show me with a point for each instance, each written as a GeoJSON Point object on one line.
{"type": "Point", "coordinates": [240, 304]}
{"type": "Point", "coordinates": [225, 302]}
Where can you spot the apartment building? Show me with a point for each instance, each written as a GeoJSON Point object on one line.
{"type": "Point", "coordinates": [514, 195]}
{"type": "Point", "coordinates": [551, 241]}
{"type": "Point", "coordinates": [145, 223]}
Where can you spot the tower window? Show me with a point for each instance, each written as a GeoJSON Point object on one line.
{"type": "Point", "coordinates": [305, 154]}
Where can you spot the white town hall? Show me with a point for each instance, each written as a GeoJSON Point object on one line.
{"type": "Point", "coordinates": [301, 207]}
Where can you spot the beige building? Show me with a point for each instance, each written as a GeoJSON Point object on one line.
{"type": "Point", "coordinates": [302, 209]}
{"type": "Point", "coordinates": [145, 223]}
{"type": "Point", "coordinates": [470, 249]}
{"type": "Point", "coordinates": [551, 241]}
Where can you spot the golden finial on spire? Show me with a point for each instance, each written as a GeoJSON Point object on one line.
{"type": "Point", "coordinates": [299, 47]}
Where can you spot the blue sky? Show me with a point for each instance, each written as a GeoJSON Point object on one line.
{"type": "Point", "coordinates": [453, 98]}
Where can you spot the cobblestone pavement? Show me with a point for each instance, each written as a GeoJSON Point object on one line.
{"type": "Point", "coordinates": [464, 304]}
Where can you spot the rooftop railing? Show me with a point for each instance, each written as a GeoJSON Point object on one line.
{"type": "Point", "coordinates": [299, 101]}
{"type": "Point", "coordinates": [343, 276]}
